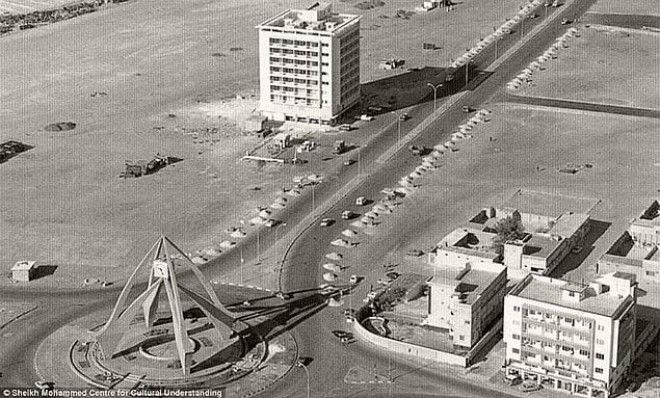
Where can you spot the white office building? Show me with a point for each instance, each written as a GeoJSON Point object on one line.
{"type": "Point", "coordinates": [309, 65]}
{"type": "Point", "coordinates": [571, 337]}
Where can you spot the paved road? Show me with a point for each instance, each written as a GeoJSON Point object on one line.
{"type": "Point", "coordinates": [58, 307]}
{"type": "Point", "coordinates": [331, 362]}
{"type": "Point", "coordinates": [584, 106]}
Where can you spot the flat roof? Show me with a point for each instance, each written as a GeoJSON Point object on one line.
{"type": "Point", "coordinates": [471, 240]}
{"type": "Point", "coordinates": [568, 223]}
{"type": "Point", "coordinates": [650, 216]}
{"type": "Point", "coordinates": [471, 282]}
{"type": "Point", "coordinates": [23, 266]}
{"type": "Point", "coordinates": [549, 290]}
{"type": "Point", "coordinates": [539, 246]}
{"type": "Point", "coordinates": [548, 204]}
{"type": "Point", "coordinates": [311, 20]}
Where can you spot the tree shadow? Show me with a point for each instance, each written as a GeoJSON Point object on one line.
{"type": "Point", "coordinates": [573, 260]}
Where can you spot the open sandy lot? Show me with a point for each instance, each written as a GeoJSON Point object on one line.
{"type": "Point", "coordinates": [636, 7]}
{"type": "Point", "coordinates": [62, 203]}
{"type": "Point", "coordinates": [613, 68]}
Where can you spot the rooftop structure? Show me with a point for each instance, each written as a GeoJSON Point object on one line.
{"type": "Point", "coordinates": [466, 300]}
{"type": "Point", "coordinates": [637, 250]}
{"type": "Point", "coordinates": [573, 337]}
{"type": "Point", "coordinates": [309, 64]}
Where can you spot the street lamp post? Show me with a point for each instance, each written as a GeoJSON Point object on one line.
{"type": "Point", "coordinates": [302, 365]}
{"type": "Point", "coordinates": [467, 72]}
{"type": "Point", "coordinates": [435, 92]}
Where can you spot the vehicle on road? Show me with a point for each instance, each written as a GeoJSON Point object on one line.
{"type": "Point", "coordinates": [349, 162]}
{"type": "Point", "coordinates": [349, 312]}
{"type": "Point", "coordinates": [565, 21]}
{"type": "Point", "coordinates": [532, 16]}
{"type": "Point", "coordinates": [346, 127]}
{"type": "Point", "coordinates": [282, 295]}
{"type": "Point", "coordinates": [354, 279]}
{"type": "Point", "coordinates": [366, 117]}
{"type": "Point", "coordinates": [326, 222]}
{"type": "Point", "coordinates": [361, 201]}
{"type": "Point", "coordinates": [577, 249]}
{"type": "Point", "coordinates": [344, 337]}
{"type": "Point", "coordinates": [392, 275]}
{"type": "Point", "coordinates": [339, 147]}
{"type": "Point", "coordinates": [556, 3]}
{"type": "Point", "coordinates": [403, 117]}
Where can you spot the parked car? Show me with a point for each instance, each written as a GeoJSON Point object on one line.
{"type": "Point", "coordinates": [393, 275]}
{"type": "Point", "coordinates": [347, 215]}
{"type": "Point", "coordinates": [366, 117]}
{"type": "Point", "coordinates": [270, 223]}
{"type": "Point", "coordinates": [348, 162]}
{"type": "Point", "coordinates": [353, 279]}
{"type": "Point", "coordinates": [416, 150]}
{"type": "Point", "coordinates": [565, 21]}
{"type": "Point", "coordinates": [360, 201]}
{"type": "Point", "coordinates": [512, 380]}
{"type": "Point", "coordinates": [403, 117]}
{"type": "Point", "coordinates": [414, 253]}
{"type": "Point", "coordinates": [529, 386]}
{"type": "Point", "coordinates": [326, 222]}
{"type": "Point", "coordinates": [346, 127]}
{"type": "Point", "coordinates": [467, 109]}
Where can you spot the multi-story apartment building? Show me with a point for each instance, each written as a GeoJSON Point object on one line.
{"type": "Point", "coordinates": [466, 300]}
{"type": "Point", "coordinates": [637, 251]}
{"type": "Point", "coordinates": [309, 63]}
{"type": "Point", "coordinates": [571, 337]}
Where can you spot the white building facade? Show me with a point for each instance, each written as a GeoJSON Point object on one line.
{"type": "Point", "coordinates": [574, 338]}
{"type": "Point", "coordinates": [309, 65]}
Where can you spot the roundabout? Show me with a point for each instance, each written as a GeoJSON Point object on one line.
{"type": "Point", "coordinates": [181, 339]}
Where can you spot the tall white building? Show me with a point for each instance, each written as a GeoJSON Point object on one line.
{"type": "Point", "coordinates": [571, 337]}
{"type": "Point", "coordinates": [309, 65]}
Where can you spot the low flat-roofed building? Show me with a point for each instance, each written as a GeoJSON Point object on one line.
{"type": "Point", "coordinates": [23, 271]}
{"type": "Point", "coordinates": [546, 244]}
{"type": "Point", "coordinates": [637, 251]}
{"type": "Point", "coordinates": [466, 300]}
{"type": "Point", "coordinates": [571, 337]}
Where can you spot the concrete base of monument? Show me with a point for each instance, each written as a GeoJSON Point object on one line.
{"type": "Point", "coordinates": [243, 365]}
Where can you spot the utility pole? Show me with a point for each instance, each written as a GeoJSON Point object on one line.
{"type": "Point", "coordinates": [435, 93]}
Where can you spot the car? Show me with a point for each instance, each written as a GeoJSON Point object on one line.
{"type": "Point", "coordinates": [270, 223]}
{"type": "Point", "coordinates": [512, 380]}
{"type": "Point", "coordinates": [349, 162]}
{"type": "Point", "coordinates": [366, 117]}
{"type": "Point", "coordinates": [347, 215]}
{"type": "Point", "coordinates": [414, 253]}
{"type": "Point", "coordinates": [577, 249]}
{"type": "Point", "coordinates": [382, 281]}
{"type": "Point", "coordinates": [532, 16]}
{"type": "Point", "coordinates": [349, 312]}
{"type": "Point", "coordinates": [403, 117]}
{"type": "Point", "coordinates": [353, 279]}
{"type": "Point", "coordinates": [565, 21]}
{"type": "Point", "coordinates": [529, 386]}
{"type": "Point", "coordinates": [392, 275]}
{"type": "Point", "coordinates": [416, 150]}
{"type": "Point", "coordinates": [360, 201]}
{"type": "Point", "coordinates": [346, 127]}
{"type": "Point", "coordinates": [467, 109]}
{"type": "Point", "coordinates": [44, 385]}
{"type": "Point", "coordinates": [372, 295]}
{"type": "Point", "coordinates": [282, 295]}
{"type": "Point", "coordinates": [326, 222]}
{"type": "Point", "coordinates": [328, 289]}
{"type": "Point", "coordinates": [375, 108]}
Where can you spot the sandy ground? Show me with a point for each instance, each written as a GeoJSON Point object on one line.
{"type": "Point", "coordinates": [613, 68]}
{"type": "Point", "coordinates": [62, 203]}
{"type": "Point", "coordinates": [641, 7]}
{"type": "Point", "coordinates": [11, 311]}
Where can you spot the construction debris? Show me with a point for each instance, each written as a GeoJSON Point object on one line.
{"type": "Point", "coordinates": [60, 126]}
{"type": "Point", "coordinates": [10, 149]}
{"type": "Point", "coordinates": [143, 167]}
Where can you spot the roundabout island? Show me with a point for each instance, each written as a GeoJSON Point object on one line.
{"type": "Point", "coordinates": [182, 339]}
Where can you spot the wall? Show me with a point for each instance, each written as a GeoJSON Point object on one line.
{"type": "Point", "coordinates": [406, 349]}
